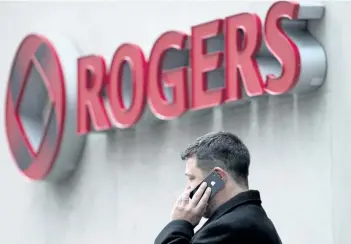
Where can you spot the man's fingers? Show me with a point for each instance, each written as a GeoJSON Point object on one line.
{"type": "Point", "coordinates": [204, 200]}
{"type": "Point", "coordinates": [198, 194]}
{"type": "Point", "coordinates": [187, 191]}
{"type": "Point", "coordinates": [185, 197]}
{"type": "Point", "coordinates": [179, 199]}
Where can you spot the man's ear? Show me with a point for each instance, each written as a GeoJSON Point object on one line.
{"type": "Point", "coordinates": [221, 173]}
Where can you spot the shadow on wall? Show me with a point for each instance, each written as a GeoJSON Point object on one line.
{"type": "Point", "coordinates": [273, 113]}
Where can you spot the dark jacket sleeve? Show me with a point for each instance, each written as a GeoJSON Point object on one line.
{"type": "Point", "coordinates": [176, 232]}
{"type": "Point", "coordinates": [181, 232]}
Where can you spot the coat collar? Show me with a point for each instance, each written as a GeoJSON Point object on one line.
{"type": "Point", "coordinates": [250, 196]}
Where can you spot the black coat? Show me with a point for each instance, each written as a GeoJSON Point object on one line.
{"type": "Point", "coordinates": [241, 220]}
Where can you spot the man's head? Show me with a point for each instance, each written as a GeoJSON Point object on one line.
{"type": "Point", "coordinates": [224, 153]}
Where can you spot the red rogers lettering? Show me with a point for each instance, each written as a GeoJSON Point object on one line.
{"type": "Point", "coordinates": [241, 69]}
{"type": "Point", "coordinates": [49, 112]}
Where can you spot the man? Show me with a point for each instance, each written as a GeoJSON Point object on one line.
{"type": "Point", "coordinates": [235, 212]}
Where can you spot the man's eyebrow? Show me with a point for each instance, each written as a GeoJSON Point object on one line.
{"type": "Point", "coordinates": [189, 175]}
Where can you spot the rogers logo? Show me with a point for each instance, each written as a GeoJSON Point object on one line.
{"type": "Point", "coordinates": [49, 111]}
{"type": "Point", "coordinates": [41, 109]}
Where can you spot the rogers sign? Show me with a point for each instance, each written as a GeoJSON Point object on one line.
{"type": "Point", "coordinates": [53, 100]}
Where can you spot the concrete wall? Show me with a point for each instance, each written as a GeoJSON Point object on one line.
{"type": "Point", "coordinates": [128, 180]}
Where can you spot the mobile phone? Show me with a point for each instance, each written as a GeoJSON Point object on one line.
{"type": "Point", "coordinates": [214, 181]}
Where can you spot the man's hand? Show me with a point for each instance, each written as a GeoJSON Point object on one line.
{"type": "Point", "coordinates": [193, 209]}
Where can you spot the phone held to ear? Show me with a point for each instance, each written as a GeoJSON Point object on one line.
{"type": "Point", "coordinates": [214, 181]}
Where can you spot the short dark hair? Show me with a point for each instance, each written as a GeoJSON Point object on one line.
{"type": "Point", "coordinates": [221, 149]}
